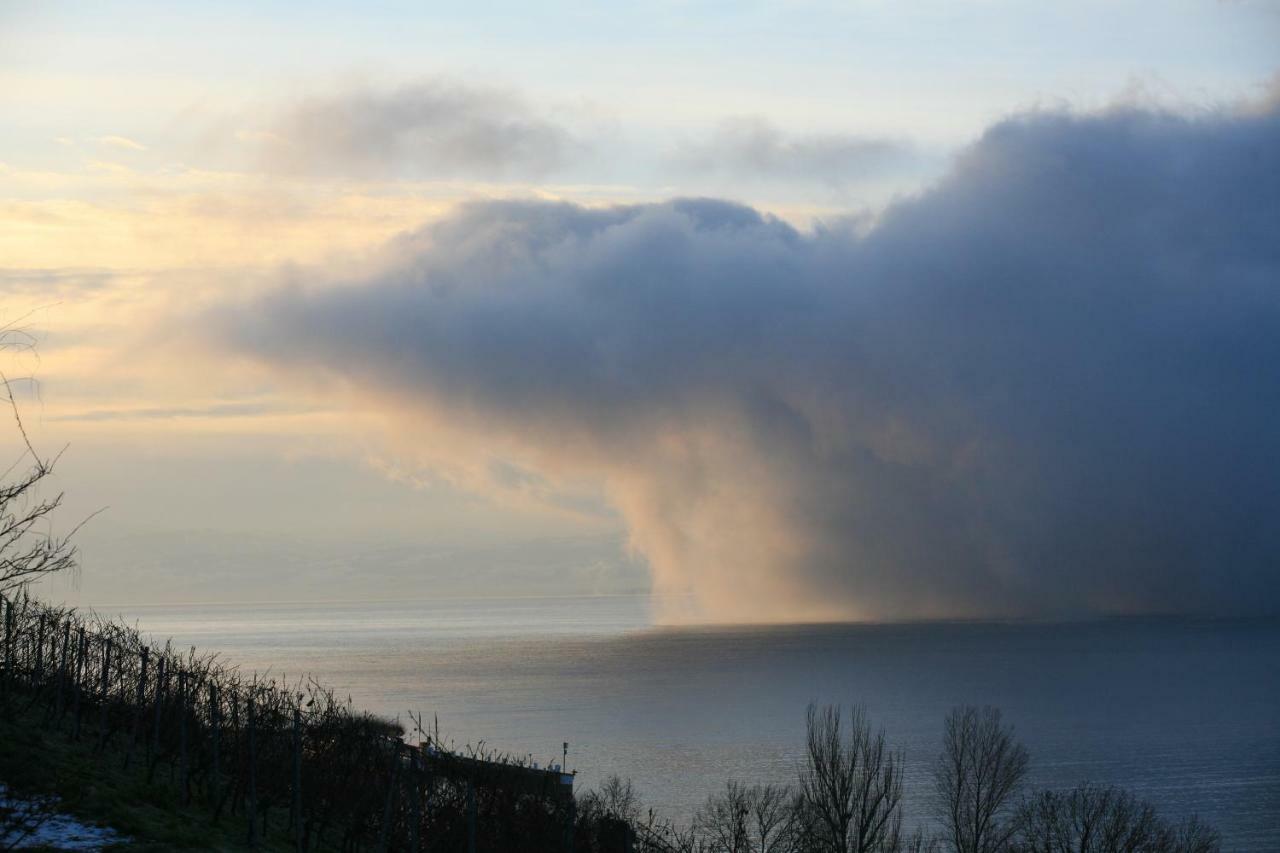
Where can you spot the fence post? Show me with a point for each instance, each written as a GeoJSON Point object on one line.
{"type": "Point", "coordinates": [106, 693]}
{"type": "Point", "coordinates": [296, 808]}
{"type": "Point", "coordinates": [10, 638]}
{"type": "Point", "coordinates": [384, 837]}
{"type": "Point", "coordinates": [215, 726]}
{"type": "Point", "coordinates": [82, 652]}
{"type": "Point", "coordinates": [184, 764]}
{"type": "Point", "coordinates": [253, 780]}
{"type": "Point", "coordinates": [415, 800]}
{"type": "Point", "coordinates": [428, 792]}
{"type": "Point", "coordinates": [161, 683]}
{"type": "Point", "coordinates": [237, 792]}
{"type": "Point", "coordinates": [139, 704]}
{"type": "Point", "coordinates": [37, 672]}
{"type": "Point", "coordinates": [7, 607]}
{"type": "Point", "coordinates": [571, 817]}
{"type": "Point", "coordinates": [471, 817]}
{"type": "Point", "coordinates": [59, 706]}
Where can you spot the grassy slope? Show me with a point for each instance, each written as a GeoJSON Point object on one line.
{"type": "Point", "coordinates": [96, 789]}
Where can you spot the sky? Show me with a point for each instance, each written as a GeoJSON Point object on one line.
{"type": "Point", "coordinates": [776, 311]}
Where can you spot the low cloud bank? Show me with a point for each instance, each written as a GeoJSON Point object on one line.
{"type": "Point", "coordinates": [1048, 385]}
{"type": "Point", "coordinates": [435, 128]}
{"type": "Point", "coordinates": [445, 128]}
{"type": "Point", "coordinates": [754, 149]}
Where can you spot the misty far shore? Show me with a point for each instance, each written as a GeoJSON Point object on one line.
{"type": "Point", "coordinates": [108, 606]}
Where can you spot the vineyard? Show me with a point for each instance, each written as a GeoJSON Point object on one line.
{"type": "Point", "coordinates": [290, 764]}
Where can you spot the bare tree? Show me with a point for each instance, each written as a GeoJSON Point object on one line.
{"type": "Point", "coordinates": [618, 799]}
{"type": "Point", "coordinates": [977, 775]}
{"type": "Point", "coordinates": [1195, 836]}
{"type": "Point", "coordinates": [724, 820]}
{"type": "Point", "coordinates": [918, 842]}
{"type": "Point", "coordinates": [28, 549]}
{"type": "Point", "coordinates": [772, 817]}
{"type": "Point", "coordinates": [1085, 820]}
{"type": "Point", "coordinates": [746, 819]}
{"type": "Point", "coordinates": [1092, 819]}
{"type": "Point", "coordinates": [673, 839]}
{"type": "Point", "coordinates": [851, 788]}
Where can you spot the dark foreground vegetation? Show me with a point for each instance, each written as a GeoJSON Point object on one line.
{"type": "Point", "coordinates": [266, 760]}
{"type": "Point", "coordinates": [848, 799]}
{"type": "Point", "coordinates": [177, 750]}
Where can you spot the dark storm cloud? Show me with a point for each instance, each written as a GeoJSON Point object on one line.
{"type": "Point", "coordinates": [436, 128]}
{"type": "Point", "coordinates": [755, 148]}
{"type": "Point", "coordinates": [1050, 384]}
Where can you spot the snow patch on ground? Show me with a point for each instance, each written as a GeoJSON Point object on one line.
{"type": "Point", "coordinates": [35, 822]}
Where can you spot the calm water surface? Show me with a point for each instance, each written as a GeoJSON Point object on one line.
{"type": "Point", "coordinates": [1184, 712]}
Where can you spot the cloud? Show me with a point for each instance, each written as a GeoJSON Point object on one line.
{"type": "Point", "coordinates": [754, 148]}
{"type": "Point", "coordinates": [215, 410]}
{"type": "Point", "coordinates": [120, 142]}
{"type": "Point", "coordinates": [436, 128]}
{"type": "Point", "coordinates": [1045, 386]}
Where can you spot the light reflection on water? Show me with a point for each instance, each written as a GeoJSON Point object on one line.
{"type": "Point", "coordinates": [1185, 712]}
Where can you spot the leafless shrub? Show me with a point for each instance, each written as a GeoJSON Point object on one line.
{"type": "Point", "coordinates": [1092, 819]}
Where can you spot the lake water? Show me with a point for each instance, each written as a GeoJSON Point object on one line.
{"type": "Point", "coordinates": [1184, 712]}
